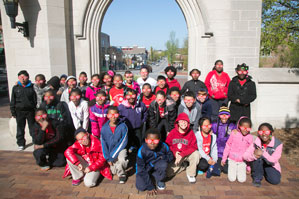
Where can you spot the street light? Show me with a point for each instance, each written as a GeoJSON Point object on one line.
{"type": "Point", "coordinates": [11, 8]}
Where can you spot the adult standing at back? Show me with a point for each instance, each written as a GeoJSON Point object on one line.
{"type": "Point", "coordinates": [144, 72]}
{"type": "Point", "coordinates": [217, 83]}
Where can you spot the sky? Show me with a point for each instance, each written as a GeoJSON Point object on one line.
{"type": "Point", "coordinates": [144, 23]}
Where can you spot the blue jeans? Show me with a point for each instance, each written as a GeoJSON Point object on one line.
{"type": "Point", "coordinates": [260, 168]}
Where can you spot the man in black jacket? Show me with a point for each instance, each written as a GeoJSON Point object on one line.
{"type": "Point", "coordinates": [241, 92]}
{"type": "Point", "coordinates": [22, 106]}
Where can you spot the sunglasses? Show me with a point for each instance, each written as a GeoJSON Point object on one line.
{"type": "Point", "coordinates": [107, 80]}
{"type": "Point", "coordinates": [170, 73]}
{"type": "Point", "coordinates": [38, 117]}
{"type": "Point", "coordinates": [146, 89]}
{"type": "Point", "coordinates": [264, 132]}
{"type": "Point", "coordinates": [48, 97]}
{"type": "Point", "coordinates": [189, 101]}
{"type": "Point", "coordinates": [152, 141]}
{"type": "Point", "coordinates": [243, 72]}
{"type": "Point", "coordinates": [95, 80]}
{"type": "Point", "coordinates": [75, 97]}
{"type": "Point", "coordinates": [83, 78]}
{"type": "Point", "coordinates": [110, 115]}
{"type": "Point", "coordinates": [175, 95]}
{"type": "Point", "coordinates": [100, 98]}
{"type": "Point", "coordinates": [129, 76]}
{"type": "Point", "coordinates": [115, 81]}
{"type": "Point", "coordinates": [83, 138]}
{"type": "Point", "coordinates": [206, 126]}
{"type": "Point", "coordinates": [224, 116]}
{"type": "Point", "coordinates": [245, 129]}
{"type": "Point", "coordinates": [40, 81]}
{"type": "Point", "coordinates": [130, 96]}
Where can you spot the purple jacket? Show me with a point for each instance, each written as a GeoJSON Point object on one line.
{"type": "Point", "coordinates": [222, 131]}
{"type": "Point", "coordinates": [136, 115]}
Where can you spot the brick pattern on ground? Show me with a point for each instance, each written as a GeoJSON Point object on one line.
{"type": "Point", "coordinates": [21, 178]}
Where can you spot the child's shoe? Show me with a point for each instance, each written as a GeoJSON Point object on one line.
{"type": "Point", "coordinates": [199, 172]}
{"type": "Point", "coordinates": [45, 168]}
{"type": "Point", "coordinates": [122, 179]}
{"type": "Point", "coordinates": [76, 182]}
{"type": "Point", "coordinates": [21, 148]}
{"type": "Point", "coordinates": [161, 185]}
{"type": "Point", "coordinates": [191, 179]}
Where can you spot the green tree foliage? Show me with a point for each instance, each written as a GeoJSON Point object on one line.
{"type": "Point", "coordinates": [171, 47]}
{"type": "Point", "coordinates": [185, 52]}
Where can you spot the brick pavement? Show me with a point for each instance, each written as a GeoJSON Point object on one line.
{"type": "Point", "coordinates": [21, 178]}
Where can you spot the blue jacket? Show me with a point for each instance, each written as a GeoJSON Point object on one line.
{"type": "Point", "coordinates": [146, 158]}
{"type": "Point", "coordinates": [113, 143]}
{"type": "Point", "coordinates": [136, 116]}
{"type": "Point", "coordinates": [206, 108]}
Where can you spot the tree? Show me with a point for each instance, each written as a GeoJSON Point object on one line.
{"type": "Point", "coordinates": [185, 52]}
{"type": "Point", "coordinates": [171, 46]}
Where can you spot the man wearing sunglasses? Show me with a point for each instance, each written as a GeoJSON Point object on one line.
{"type": "Point", "coordinates": [241, 92]}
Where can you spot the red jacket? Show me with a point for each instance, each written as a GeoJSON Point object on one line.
{"type": "Point", "coordinates": [95, 156]}
{"type": "Point", "coordinates": [173, 83]}
{"type": "Point", "coordinates": [183, 143]}
{"type": "Point", "coordinates": [217, 85]}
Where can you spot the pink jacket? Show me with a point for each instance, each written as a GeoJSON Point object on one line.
{"type": "Point", "coordinates": [274, 158]}
{"type": "Point", "coordinates": [236, 146]}
{"type": "Point", "coordinates": [98, 117]}
{"type": "Point", "coordinates": [90, 91]}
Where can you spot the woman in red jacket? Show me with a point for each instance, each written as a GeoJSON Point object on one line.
{"type": "Point", "coordinates": [85, 160]}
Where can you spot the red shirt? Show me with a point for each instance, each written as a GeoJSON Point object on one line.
{"type": "Point", "coordinates": [161, 110]}
{"type": "Point", "coordinates": [130, 86]}
{"type": "Point", "coordinates": [206, 144]}
{"type": "Point", "coordinates": [173, 83]}
{"type": "Point", "coordinates": [113, 128]}
{"type": "Point", "coordinates": [161, 89]}
{"type": "Point", "coordinates": [242, 82]}
{"type": "Point", "coordinates": [116, 95]}
{"type": "Point", "coordinates": [147, 102]}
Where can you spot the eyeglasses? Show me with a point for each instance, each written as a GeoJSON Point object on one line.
{"type": "Point", "coordinates": [115, 115]}
{"type": "Point", "coordinates": [264, 132]}
{"type": "Point", "coordinates": [40, 81]}
{"type": "Point", "coordinates": [48, 97]}
{"type": "Point", "coordinates": [129, 76]}
{"type": "Point", "coordinates": [245, 129]}
{"type": "Point", "coordinates": [115, 81]}
{"type": "Point", "coordinates": [75, 97]}
{"type": "Point", "coordinates": [175, 95]}
{"type": "Point", "coordinates": [95, 80]}
{"type": "Point", "coordinates": [146, 89]}
{"type": "Point", "coordinates": [189, 101]}
{"type": "Point", "coordinates": [38, 117]}
{"type": "Point", "coordinates": [83, 78]}
{"type": "Point", "coordinates": [83, 138]}
{"type": "Point", "coordinates": [100, 98]}
{"type": "Point", "coordinates": [206, 126]}
{"type": "Point", "coordinates": [243, 72]}
{"type": "Point", "coordinates": [130, 96]}
{"type": "Point", "coordinates": [224, 116]}
{"type": "Point", "coordinates": [107, 80]}
{"type": "Point", "coordinates": [152, 141]}
{"type": "Point", "coordinates": [170, 73]}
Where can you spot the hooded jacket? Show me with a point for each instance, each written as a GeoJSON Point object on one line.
{"type": "Point", "coordinates": [217, 85]}
{"type": "Point", "coordinates": [222, 132]}
{"type": "Point", "coordinates": [91, 91]}
{"type": "Point", "coordinates": [193, 85]}
{"type": "Point", "coordinates": [98, 117]}
{"type": "Point", "coordinates": [113, 143]}
{"type": "Point", "coordinates": [194, 115]}
{"type": "Point", "coordinates": [54, 82]}
{"type": "Point", "coordinates": [213, 147]}
{"type": "Point", "coordinates": [135, 115]}
{"type": "Point", "coordinates": [173, 83]}
{"type": "Point", "coordinates": [184, 143]}
{"type": "Point", "coordinates": [23, 98]}
{"type": "Point", "coordinates": [95, 157]}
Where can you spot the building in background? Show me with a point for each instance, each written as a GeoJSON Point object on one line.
{"type": "Point", "coordinates": [104, 56]}
{"type": "Point", "coordinates": [135, 56]}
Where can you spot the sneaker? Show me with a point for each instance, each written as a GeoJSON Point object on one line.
{"type": "Point", "coordinates": [161, 185]}
{"type": "Point", "coordinates": [45, 168]}
{"type": "Point", "coordinates": [191, 179]}
{"type": "Point", "coordinates": [199, 172]}
{"type": "Point", "coordinates": [256, 183]}
{"type": "Point", "coordinates": [122, 179]}
{"type": "Point", "coordinates": [21, 148]}
{"type": "Point", "coordinates": [76, 182]}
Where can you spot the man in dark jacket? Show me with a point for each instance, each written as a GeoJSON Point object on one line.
{"type": "Point", "coordinates": [194, 84]}
{"type": "Point", "coordinates": [241, 92]}
{"type": "Point", "coordinates": [22, 106]}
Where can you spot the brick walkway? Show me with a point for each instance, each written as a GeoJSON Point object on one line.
{"type": "Point", "coordinates": [21, 178]}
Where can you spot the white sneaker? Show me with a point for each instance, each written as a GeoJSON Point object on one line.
{"type": "Point", "coordinates": [21, 148]}
{"type": "Point", "coordinates": [191, 179]}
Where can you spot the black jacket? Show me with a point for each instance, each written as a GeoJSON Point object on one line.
{"type": "Point", "coordinates": [193, 86]}
{"type": "Point", "coordinates": [23, 98]}
{"type": "Point", "coordinates": [246, 94]}
{"type": "Point", "coordinates": [170, 114]}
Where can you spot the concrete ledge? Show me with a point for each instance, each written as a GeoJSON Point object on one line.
{"type": "Point", "coordinates": [277, 76]}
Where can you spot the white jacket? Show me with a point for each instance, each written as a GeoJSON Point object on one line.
{"type": "Point", "coordinates": [80, 114]}
{"type": "Point", "coordinates": [149, 80]}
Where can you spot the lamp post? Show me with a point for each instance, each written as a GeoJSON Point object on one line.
{"type": "Point", "coordinates": [11, 8]}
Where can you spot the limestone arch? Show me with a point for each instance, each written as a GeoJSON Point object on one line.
{"type": "Point", "coordinates": [88, 22]}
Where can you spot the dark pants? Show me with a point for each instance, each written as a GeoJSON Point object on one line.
{"type": "Point", "coordinates": [143, 179]}
{"type": "Point", "coordinates": [203, 165]}
{"type": "Point", "coordinates": [56, 158]}
{"type": "Point", "coordinates": [216, 104]}
{"type": "Point", "coordinates": [135, 137]}
{"type": "Point", "coordinates": [225, 168]}
{"type": "Point", "coordinates": [162, 127]}
{"type": "Point", "coordinates": [21, 118]}
{"type": "Point", "coordinates": [260, 169]}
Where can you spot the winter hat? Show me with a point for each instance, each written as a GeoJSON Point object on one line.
{"type": "Point", "coordinates": [224, 110]}
{"type": "Point", "coordinates": [54, 82]}
{"type": "Point", "coordinates": [71, 77]}
{"type": "Point", "coordinates": [23, 72]}
{"type": "Point", "coordinates": [63, 76]}
{"type": "Point", "coordinates": [79, 130]}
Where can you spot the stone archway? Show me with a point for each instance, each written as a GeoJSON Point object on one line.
{"type": "Point", "coordinates": [87, 21]}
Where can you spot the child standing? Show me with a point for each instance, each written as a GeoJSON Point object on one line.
{"type": "Point", "coordinates": [205, 103]}
{"type": "Point", "coordinates": [182, 142]}
{"type": "Point", "coordinates": [117, 92]}
{"type": "Point", "coordinates": [238, 142]}
{"type": "Point", "coordinates": [114, 139]}
{"type": "Point", "coordinates": [82, 85]}
{"type": "Point", "coordinates": [22, 106]}
{"type": "Point", "coordinates": [147, 95]}
{"type": "Point", "coordinates": [71, 83]}
{"type": "Point", "coordinates": [153, 158]}
{"type": "Point", "coordinates": [85, 160]}
{"type": "Point", "coordinates": [264, 154]}
{"type": "Point", "coordinates": [98, 113]}
{"type": "Point", "coordinates": [222, 128]}
{"type": "Point", "coordinates": [130, 83]}
{"type": "Point", "coordinates": [78, 109]}
{"type": "Point", "coordinates": [40, 88]}
{"type": "Point", "coordinates": [194, 84]}
{"type": "Point", "coordinates": [162, 86]}
{"type": "Point", "coordinates": [63, 85]}
{"type": "Point", "coordinates": [170, 71]}
{"type": "Point", "coordinates": [107, 81]}
{"type": "Point", "coordinates": [93, 88]}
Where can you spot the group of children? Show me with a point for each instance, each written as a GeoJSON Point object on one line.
{"type": "Point", "coordinates": [94, 127]}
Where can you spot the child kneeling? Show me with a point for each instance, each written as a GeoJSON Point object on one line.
{"type": "Point", "coordinates": [153, 158]}
{"type": "Point", "coordinates": [85, 160]}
